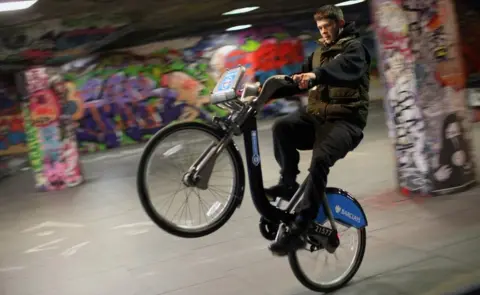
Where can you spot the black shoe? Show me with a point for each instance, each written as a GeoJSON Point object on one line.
{"type": "Point", "coordinates": [289, 242]}
{"type": "Point", "coordinates": [282, 190]}
{"type": "Point", "coordinates": [292, 240]}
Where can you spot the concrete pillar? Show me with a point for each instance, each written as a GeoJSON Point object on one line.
{"type": "Point", "coordinates": [50, 132]}
{"type": "Point", "coordinates": [426, 98]}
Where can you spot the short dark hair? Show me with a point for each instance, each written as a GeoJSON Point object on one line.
{"type": "Point", "coordinates": [330, 12]}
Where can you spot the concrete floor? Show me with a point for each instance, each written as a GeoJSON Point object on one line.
{"type": "Point", "coordinates": [95, 239]}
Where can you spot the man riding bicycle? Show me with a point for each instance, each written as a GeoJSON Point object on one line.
{"type": "Point", "coordinates": [332, 123]}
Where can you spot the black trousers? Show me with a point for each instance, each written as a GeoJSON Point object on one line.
{"type": "Point", "coordinates": [329, 140]}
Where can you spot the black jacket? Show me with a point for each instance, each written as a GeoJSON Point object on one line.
{"type": "Point", "coordinates": [342, 72]}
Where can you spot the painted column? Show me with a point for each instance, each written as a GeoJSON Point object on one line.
{"type": "Point", "coordinates": [51, 139]}
{"type": "Point", "coordinates": [426, 97]}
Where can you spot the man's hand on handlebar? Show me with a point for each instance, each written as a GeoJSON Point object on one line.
{"type": "Point", "coordinates": [304, 79]}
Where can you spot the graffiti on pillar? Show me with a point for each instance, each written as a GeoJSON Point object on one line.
{"type": "Point", "coordinates": [70, 155]}
{"type": "Point", "coordinates": [426, 93]}
{"type": "Point", "coordinates": [52, 145]}
{"type": "Point", "coordinates": [406, 122]}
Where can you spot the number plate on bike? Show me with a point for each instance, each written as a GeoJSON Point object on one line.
{"type": "Point", "coordinates": [227, 85]}
{"type": "Point", "coordinates": [321, 230]}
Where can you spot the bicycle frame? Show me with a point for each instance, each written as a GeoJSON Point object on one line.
{"type": "Point", "coordinates": [263, 205]}
{"type": "Point", "coordinates": [242, 121]}
{"type": "Point", "coordinates": [255, 175]}
{"type": "Point", "coordinates": [248, 128]}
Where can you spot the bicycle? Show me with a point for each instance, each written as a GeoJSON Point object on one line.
{"type": "Point", "coordinates": [274, 220]}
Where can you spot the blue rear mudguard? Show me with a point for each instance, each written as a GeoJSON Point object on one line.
{"type": "Point", "coordinates": [345, 209]}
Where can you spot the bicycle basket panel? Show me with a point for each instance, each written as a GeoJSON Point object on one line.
{"type": "Point", "coordinates": [226, 87]}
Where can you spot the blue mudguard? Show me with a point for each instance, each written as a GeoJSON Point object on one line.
{"type": "Point", "coordinates": [345, 209]}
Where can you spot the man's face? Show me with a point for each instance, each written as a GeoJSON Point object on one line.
{"type": "Point", "coordinates": [329, 29]}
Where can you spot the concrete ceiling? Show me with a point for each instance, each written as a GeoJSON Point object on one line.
{"type": "Point", "coordinates": [164, 14]}
{"type": "Point", "coordinates": [135, 22]}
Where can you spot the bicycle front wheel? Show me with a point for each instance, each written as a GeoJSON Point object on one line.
{"type": "Point", "coordinates": [164, 162]}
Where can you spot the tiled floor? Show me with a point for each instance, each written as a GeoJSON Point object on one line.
{"type": "Point", "coordinates": [96, 240]}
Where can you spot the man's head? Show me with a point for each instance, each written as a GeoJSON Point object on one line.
{"type": "Point", "coordinates": [330, 21]}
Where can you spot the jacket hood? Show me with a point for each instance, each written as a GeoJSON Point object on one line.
{"type": "Point", "coordinates": [349, 30]}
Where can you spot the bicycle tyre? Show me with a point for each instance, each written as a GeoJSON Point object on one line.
{"type": "Point", "coordinates": [326, 288]}
{"type": "Point", "coordinates": [234, 200]}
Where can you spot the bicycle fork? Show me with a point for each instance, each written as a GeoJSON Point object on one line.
{"type": "Point", "coordinates": [199, 173]}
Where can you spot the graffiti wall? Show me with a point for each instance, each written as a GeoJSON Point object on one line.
{"type": "Point", "coordinates": [49, 128]}
{"type": "Point", "coordinates": [126, 96]}
{"type": "Point", "coordinates": [426, 96]}
{"type": "Point", "coordinates": [123, 98]}
{"type": "Point", "coordinates": [12, 134]}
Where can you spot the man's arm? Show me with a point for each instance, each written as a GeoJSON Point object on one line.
{"type": "Point", "coordinates": [294, 89]}
{"type": "Point", "coordinates": [350, 65]}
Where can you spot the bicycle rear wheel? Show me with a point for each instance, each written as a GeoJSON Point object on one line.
{"type": "Point", "coordinates": [170, 143]}
{"type": "Point", "coordinates": [312, 281]}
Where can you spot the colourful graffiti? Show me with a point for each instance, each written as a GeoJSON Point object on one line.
{"type": "Point", "coordinates": [52, 144]}
{"type": "Point", "coordinates": [9, 103]}
{"type": "Point", "coordinates": [12, 134]}
{"type": "Point", "coordinates": [124, 97]}
{"type": "Point", "coordinates": [267, 57]}
{"type": "Point", "coordinates": [425, 99]}
{"type": "Point", "coordinates": [127, 96]}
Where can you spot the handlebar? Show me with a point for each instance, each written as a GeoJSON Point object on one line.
{"type": "Point", "coordinates": [241, 109]}
{"type": "Point", "coordinates": [254, 96]}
